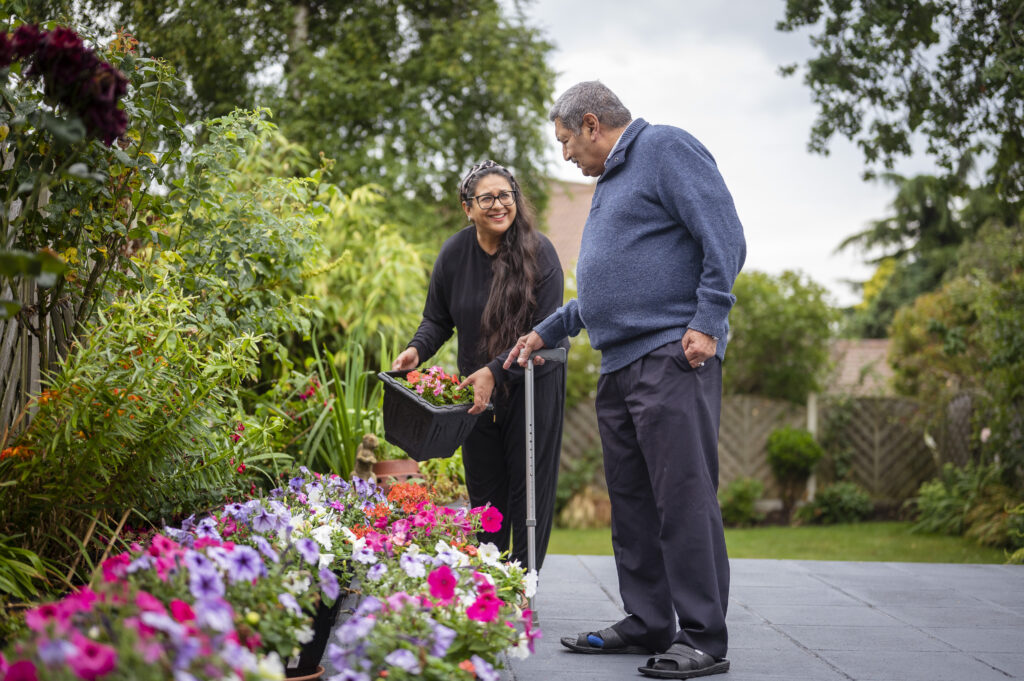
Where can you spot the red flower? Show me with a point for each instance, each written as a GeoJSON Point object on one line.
{"type": "Point", "coordinates": [26, 40]}
{"type": "Point", "coordinates": [413, 377]}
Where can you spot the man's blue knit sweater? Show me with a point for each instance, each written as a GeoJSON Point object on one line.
{"type": "Point", "coordinates": [661, 249]}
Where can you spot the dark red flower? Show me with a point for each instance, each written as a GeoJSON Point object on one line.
{"type": "Point", "coordinates": [6, 51]}
{"type": "Point", "coordinates": [27, 39]}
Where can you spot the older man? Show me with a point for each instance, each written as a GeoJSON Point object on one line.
{"type": "Point", "coordinates": [661, 249]}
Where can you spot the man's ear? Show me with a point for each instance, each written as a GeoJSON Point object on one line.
{"type": "Point", "coordinates": [591, 126]}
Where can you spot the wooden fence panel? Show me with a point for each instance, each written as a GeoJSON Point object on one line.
{"type": "Point", "coordinates": [889, 457]}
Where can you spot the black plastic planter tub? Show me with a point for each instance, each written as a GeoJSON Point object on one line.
{"type": "Point", "coordinates": [423, 430]}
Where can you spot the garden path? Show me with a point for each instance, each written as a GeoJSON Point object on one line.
{"type": "Point", "coordinates": [809, 620]}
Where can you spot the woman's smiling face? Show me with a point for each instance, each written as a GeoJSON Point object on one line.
{"type": "Point", "coordinates": [493, 222]}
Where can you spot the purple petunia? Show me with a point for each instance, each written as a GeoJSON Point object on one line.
{"type": "Point", "coordinates": [54, 652]}
{"type": "Point", "coordinates": [413, 565]}
{"type": "Point", "coordinates": [214, 613]}
{"type": "Point", "coordinates": [484, 670]}
{"type": "Point", "coordinates": [245, 565]}
{"type": "Point", "coordinates": [263, 520]}
{"type": "Point", "coordinates": [443, 639]}
{"type": "Point", "coordinates": [296, 484]}
{"type": "Point", "coordinates": [237, 511]}
{"type": "Point", "coordinates": [329, 584]}
{"type": "Point", "coordinates": [207, 527]}
{"type": "Point", "coordinates": [265, 548]}
{"type": "Point", "coordinates": [205, 584]}
{"type": "Point", "coordinates": [309, 550]}
{"type": "Point", "coordinates": [364, 555]}
{"type": "Point", "coordinates": [289, 602]}
{"type": "Point", "coordinates": [368, 605]}
{"type": "Point", "coordinates": [354, 630]}
{"type": "Point", "coordinates": [405, 659]}
{"type": "Point", "coordinates": [376, 572]}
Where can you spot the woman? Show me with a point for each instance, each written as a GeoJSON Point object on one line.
{"type": "Point", "coordinates": [493, 281]}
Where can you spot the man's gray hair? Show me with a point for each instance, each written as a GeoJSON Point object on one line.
{"type": "Point", "coordinates": [589, 97]}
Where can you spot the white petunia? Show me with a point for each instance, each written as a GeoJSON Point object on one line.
{"type": "Point", "coordinates": [322, 535]}
{"type": "Point", "coordinates": [530, 582]}
{"type": "Point", "coordinates": [489, 554]}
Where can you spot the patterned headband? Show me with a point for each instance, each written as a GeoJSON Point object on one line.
{"type": "Point", "coordinates": [479, 168]}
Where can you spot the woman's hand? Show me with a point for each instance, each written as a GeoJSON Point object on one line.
{"type": "Point", "coordinates": [408, 360]}
{"type": "Point", "coordinates": [482, 381]}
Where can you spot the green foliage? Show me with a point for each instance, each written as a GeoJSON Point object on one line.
{"type": "Point", "coordinates": [75, 209]}
{"type": "Point", "coordinates": [245, 231]}
{"type": "Point", "coordinates": [372, 286]}
{"type": "Point", "coordinates": [137, 419]}
{"type": "Point", "coordinates": [942, 504]}
{"type": "Point", "coordinates": [778, 337]}
{"type": "Point", "coordinates": [792, 455]}
{"type": "Point", "coordinates": [967, 338]}
{"type": "Point", "coordinates": [328, 412]}
{"type": "Point", "coordinates": [575, 475]}
{"type": "Point", "coordinates": [948, 71]}
{"type": "Point", "coordinates": [404, 94]}
{"type": "Point", "coordinates": [916, 246]}
{"type": "Point", "coordinates": [738, 501]}
{"type": "Point", "coordinates": [584, 362]}
{"type": "Point", "coordinates": [841, 502]}
{"type": "Point", "coordinates": [21, 572]}
{"type": "Point", "coordinates": [446, 478]}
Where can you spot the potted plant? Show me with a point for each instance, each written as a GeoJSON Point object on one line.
{"type": "Point", "coordinates": [425, 414]}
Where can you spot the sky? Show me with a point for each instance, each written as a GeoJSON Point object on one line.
{"type": "Point", "coordinates": [711, 67]}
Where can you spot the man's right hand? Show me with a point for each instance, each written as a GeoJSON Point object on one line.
{"type": "Point", "coordinates": [524, 347]}
{"type": "Point", "coordinates": [408, 360]}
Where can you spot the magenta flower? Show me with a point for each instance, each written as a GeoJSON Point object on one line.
{"type": "Point", "coordinates": [93, 659]}
{"type": "Point", "coordinates": [22, 670]}
{"type": "Point", "coordinates": [485, 608]}
{"type": "Point", "coordinates": [490, 519]}
{"type": "Point", "coordinates": [442, 583]}
{"type": "Point", "coordinates": [116, 567]}
{"type": "Point", "coordinates": [38, 619]}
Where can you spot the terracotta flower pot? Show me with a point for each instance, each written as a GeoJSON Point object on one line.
{"type": "Point", "coordinates": [394, 471]}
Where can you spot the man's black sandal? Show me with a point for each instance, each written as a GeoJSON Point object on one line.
{"type": "Point", "coordinates": [604, 642]}
{"type": "Point", "coordinates": [681, 661]}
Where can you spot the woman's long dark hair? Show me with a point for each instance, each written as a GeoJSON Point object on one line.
{"type": "Point", "coordinates": [511, 302]}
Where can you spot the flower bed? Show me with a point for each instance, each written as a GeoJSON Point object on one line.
{"type": "Point", "coordinates": [229, 596]}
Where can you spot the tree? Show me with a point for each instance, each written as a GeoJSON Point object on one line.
{"type": "Point", "coordinates": [968, 338]}
{"type": "Point", "coordinates": [402, 94]}
{"type": "Point", "coordinates": [778, 338]}
{"type": "Point", "coordinates": [915, 247]}
{"type": "Point", "coordinates": [948, 71]}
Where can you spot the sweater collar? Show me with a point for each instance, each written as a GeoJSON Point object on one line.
{"type": "Point", "coordinates": [621, 149]}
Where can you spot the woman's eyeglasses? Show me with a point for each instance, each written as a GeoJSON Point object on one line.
{"type": "Point", "coordinates": [486, 201]}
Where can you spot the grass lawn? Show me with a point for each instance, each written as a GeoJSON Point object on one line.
{"type": "Point", "coordinates": [885, 541]}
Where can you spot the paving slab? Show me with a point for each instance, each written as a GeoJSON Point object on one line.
{"type": "Point", "coordinates": [809, 621]}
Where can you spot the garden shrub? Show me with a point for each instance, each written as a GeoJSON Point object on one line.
{"type": "Point", "coordinates": [792, 454]}
{"type": "Point", "coordinates": [738, 500]}
{"type": "Point", "coordinates": [841, 502]}
{"type": "Point", "coordinates": [942, 504]}
{"type": "Point", "coordinates": [139, 420]}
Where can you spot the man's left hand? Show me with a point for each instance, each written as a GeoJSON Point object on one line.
{"type": "Point", "coordinates": [482, 381]}
{"type": "Point", "coordinates": [698, 347]}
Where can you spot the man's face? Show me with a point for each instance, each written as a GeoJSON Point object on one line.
{"type": "Point", "coordinates": [580, 149]}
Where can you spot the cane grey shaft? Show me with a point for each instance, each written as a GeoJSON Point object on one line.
{"type": "Point", "coordinates": [550, 355]}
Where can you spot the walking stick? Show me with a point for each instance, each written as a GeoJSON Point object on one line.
{"type": "Point", "coordinates": [549, 355]}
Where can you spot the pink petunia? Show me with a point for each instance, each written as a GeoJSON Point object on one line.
{"type": "Point", "coordinates": [485, 608]}
{"type": "Point", "coordinates": [442, 583]}
{"type": "Point", "coordinates": [38, 619]}
{"type": "Point", "coordinates": [147, 602]}
{"type": "Point", "coordinates": [22, 670]}
{"type": "Point", "coordinates": [92, 660]}
{"type": "Point", "coordinates": [116, 567]}
{"type": "Point", "coordinates": [490, 519]}
{"type": "Point", "coordinates": [182, 611]}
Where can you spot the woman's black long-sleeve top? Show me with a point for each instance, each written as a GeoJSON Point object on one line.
{"type": "Point", "coordinates": [459, 286]}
